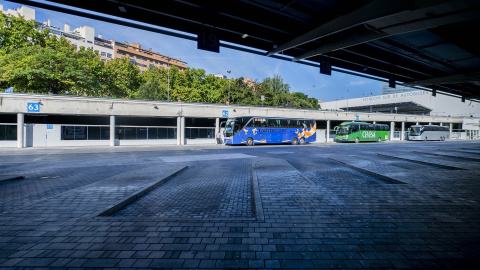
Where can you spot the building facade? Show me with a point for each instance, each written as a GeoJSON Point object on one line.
{"type": "Point", "coordinates": [84, 36]}
{"type": "Point", "coordinates": [418, 102]}
{"type": "Point", "coordinates": [386, 89]}
{"type": "Point", "coordinates": [145, 59]}
{"type": "Point", "coordinates": [26, 12]}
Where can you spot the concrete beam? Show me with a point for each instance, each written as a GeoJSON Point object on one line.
{"type": "Point", "coordinates": [106, 107]}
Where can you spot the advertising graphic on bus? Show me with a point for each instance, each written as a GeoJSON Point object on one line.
{"type": "Point", "coordinates": [264, 130]}
{"type": "Point", "coordinates": [361, 132]}
{"type": "Point", "coordinates": [428, 133]}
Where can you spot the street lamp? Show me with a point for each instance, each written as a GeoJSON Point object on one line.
{"type": "Point", "coordinates": [228, 71]}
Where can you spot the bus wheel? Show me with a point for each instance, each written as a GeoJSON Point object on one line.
{"type": "Point", "coordinates": [357, 140]}
{"type": "Point", "coordinates": [302, 141]}
{"type": "Point", "coordinates": [249, 141]}
{"type": "Point", "coordinates": [379, 139]}
{"type": "Point", "coordinates": [295, 140]}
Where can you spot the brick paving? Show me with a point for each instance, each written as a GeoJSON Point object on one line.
{"type": "Point", "coordinates": [288, 207]}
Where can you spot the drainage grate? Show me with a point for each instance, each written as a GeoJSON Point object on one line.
{"type": "Point", "coordinates": [446, 218]}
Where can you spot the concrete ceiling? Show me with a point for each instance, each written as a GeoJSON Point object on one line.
{"type": "Point", "coordinates": [428, 43]}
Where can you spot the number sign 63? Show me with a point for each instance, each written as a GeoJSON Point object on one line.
{"type": "Point", "coordinates": [33, 107]}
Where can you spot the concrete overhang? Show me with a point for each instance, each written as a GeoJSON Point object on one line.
{"type": "Point", "coordinates": [68, 105]}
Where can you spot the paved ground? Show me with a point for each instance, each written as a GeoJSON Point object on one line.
{"type": "Point", "coordinates": [389, 205]}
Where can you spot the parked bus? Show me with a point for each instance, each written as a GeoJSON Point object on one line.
{"type": "Point", "coordinates": [428, 133]}
{"type": "Point", "coordinates": [361, 132]}
{"type": "Point", "coordinates": [251, 130]}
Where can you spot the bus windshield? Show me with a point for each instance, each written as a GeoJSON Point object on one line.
{"type": "Point", "coordinates": [232, 127]}
{"type": "Point", "coordinates": [415, 131]}
{"type": "Point", "coordinates": [342, 130]}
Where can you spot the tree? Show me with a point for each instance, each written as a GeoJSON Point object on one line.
{"type": "Point", "coordinates": [55, 68]}
{"type": "Point", "coordinates": [121, 79]}
{"type": "Point", "coordinates": [153, 89]}
{"type": "Point", "coordinates": [16, 33]}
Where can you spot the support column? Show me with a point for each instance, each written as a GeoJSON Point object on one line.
{"type": "Point", "coordinates": [402, 135]}
{"type": "Point", "coordinates": [392, 130]}
{"type": "Point", "coordinates": [182, 127]}
{"type": "Point", "coordinates": [112, 130]}
{"type": "Point", "coordinates": [179, 129]}
{"type": "Point", "coordinates": [217, 127]}
{"type": "Point", "coordinates": [20, 137]}
{"type": "Point", "coordinates": [451, 127]}
{"type": "Point", "coordinates": [328, 131]}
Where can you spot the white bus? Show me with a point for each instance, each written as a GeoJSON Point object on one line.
{"type": "Point", "coordinates": [428, 133]}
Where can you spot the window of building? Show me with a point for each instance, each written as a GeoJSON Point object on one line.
{"type": "Point", "coordinates": [132, 61]}
{"type": "Point", "coordinates": [85, 133]}
{"type": "Point", "coordinates": [122, 53]}
{"type": "Point", "coordinates": [199, 133]}
{"type": "Point", "coordinates": [145, 133]}
{"type": "Point", "coordinates": [104, 54]}
{"type": "Point", "coordinates": [109, 55]}
{"type": "Point", "coordinates": [8, 132]}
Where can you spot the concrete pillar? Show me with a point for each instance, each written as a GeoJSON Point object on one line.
{"type": "Point", "coordinates": [402, 137]}
{"type": "Point", "coordinates": [112, 130]}
{"type": "Point", "coordinates": [20, 137]}
{"type": "Point", "coordinates": [182, 127]}
{"type": "Point", "coordinates": [416, 123]}
{"type": "Point", "coordinates": [217, 127]}
{"type": "Point", "coordinates": [179, 130]}
{"type": "Point", "coordinates": [451, 126]}
{"type": "Point", "coordinates": [392, 130]}
{"type": "Point", "coordinates": [374, 122]}
{"type": "Point", "coordinates": [328, 131]}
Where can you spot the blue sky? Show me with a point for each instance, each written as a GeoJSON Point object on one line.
{"type": "Point", "coordinates": [301, 78]}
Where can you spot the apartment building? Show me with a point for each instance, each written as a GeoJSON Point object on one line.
{"type": "Point", "coordinates": [84, 36]}
{"type": "Point", "coordinates": [26, 12]}
{"type": "Point", "coordinates": [146, 59]}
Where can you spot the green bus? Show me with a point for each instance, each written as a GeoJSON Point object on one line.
{"type": "Point", "coordinates": [361, 132]}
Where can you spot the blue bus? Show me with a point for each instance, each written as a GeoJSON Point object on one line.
{"type": "Point", "coordinates": [252, 130]}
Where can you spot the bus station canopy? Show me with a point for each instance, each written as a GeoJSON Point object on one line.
{"type": "Point", "coordinates": [399, 107]}
{"type": "Point", "coordinates": [431, 44]}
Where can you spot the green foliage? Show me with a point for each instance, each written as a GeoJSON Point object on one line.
{"type": "Point", "coordinates": [37, 62]}
{"type": "Point", "coordinates": [54, 68]}
{"type": "Point", "coordinates": [152, 89]}
{"type": "Point", "coordinates": [16, 33]}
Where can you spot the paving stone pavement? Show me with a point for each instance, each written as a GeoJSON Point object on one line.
{"type": "Point", "coordinates": [268, 207]}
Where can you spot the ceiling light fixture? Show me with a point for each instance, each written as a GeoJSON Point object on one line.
{"type": "Point", "coordinates": [245, 36]}
{"type": "Point", "coordinates": [122, 9]}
